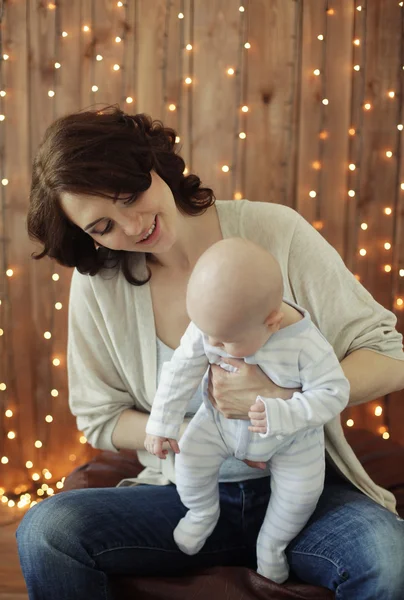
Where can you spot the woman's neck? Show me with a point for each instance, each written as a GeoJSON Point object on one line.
{"type": "Point", "coordinates": [195, 235]}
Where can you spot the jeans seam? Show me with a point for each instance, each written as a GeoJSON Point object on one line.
{"type": "Point", "coordinates": [337, 566]}
{"type": "Point", "coordinates": [163, 550]}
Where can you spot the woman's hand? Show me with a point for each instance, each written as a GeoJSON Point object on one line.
{"type": "Point", "coordinates": [234, 393]}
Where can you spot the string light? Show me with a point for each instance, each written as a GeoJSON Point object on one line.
{"type": "Point", "coordinates": [312, 194]}
{"type": "Point", "coordinates": [391, 94]}
{"type": "Point", "coordinates": [9, 272]}
{"type": "Point", "coordinates": [188, 47]}
{"type": "Point", "coordinates": [352, 167]}
{"type": "Point", "coordinates": [362, 252]}
{"type": "Point", "coordinates": [316, 165]}
{"type": "Point", "coordinates": [172, 107]}
{"type": "Point", "coordinates": [320, 37]}
{"type": "Point", "coordinates": [99, 57]}
{"type": "Point", "coordinates": [230, 71]}
{"type": "Point", "coordinates": [38, 444]}
{"type": "Point", "coordinates": [94, 88]}
{"type": "Point", "coordinates": [56, 362]}
{"type": "Point", "coordinates": [357, 68]}
{"type": "Point", "coordinates": [244, 109]}
{"type": "Point", "coordinates": [399, 301]}
{"type": "Point", "coordinates": [325, 101]}
{"type": "Point", "coordinates": [388, 211]}
{"type": "Point", "coordinates": [49, 418]}
{"type": "Point", "coordinates": [350, 423]}
{"type": "Point", "coordinates": [116, 67]}
{"type": "Point", "coordinates": [387, 246]}
{"type": "Point", "coordinates": [351, 193]}
{"type": "Point", "coordinates": [51, 93]}
{"type": "Point", "coordinates": [118, 39]}
{"type": "Point", "coordinates": [401, 272]}
{"type": "Point", "coordinates": [400, 126]}
{"type": "Point", "coordinates": [316, 72]}
{"type": "Point", "coordinates": [64, 34]}
{"type": "Point", "coordinates": [242, 135]}
{"type": "Point", "coordinates": [47, 335]}
{"type": "Point", "coordinates": [129, 100]}
{"type": "Point", "coordinates": [188, 80]}
{"type": "Point", "coordinates": [367, 106]}
{"type": "Point", "coordinates": [241, 9]}
{"type": "Point", "coordinates": [57, 65]}
{"type": "Point", "coordinates": [58, 306]}
{"type": "Point", "coordinates": [247, 45]}
{"type": "Point", "coordinates": [180, 15]}
{"type": "Point", "coordinates": [389, 153]}
{"type": "Point", "coordinates": [387, 268]}
{"type": "Point", "coordinates": [4, 181]}
{"type": "Point", "coordinates": [8, 413]}
{"type": "Point", "coordinates": [225, 168]}
{"type": "Point", "coordinates": [55, 277]}
{"type": "Point", "coordinates": [357, 42]}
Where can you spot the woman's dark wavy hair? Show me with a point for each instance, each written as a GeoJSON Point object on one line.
{"type": "Point", "coordinates": [103, 153]}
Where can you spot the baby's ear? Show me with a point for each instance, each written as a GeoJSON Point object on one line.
{"type": "Point", "coordinates": [274, 320]}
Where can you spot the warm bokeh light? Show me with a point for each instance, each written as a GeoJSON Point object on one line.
{"type": "Point", "coordinates": [350, 423]}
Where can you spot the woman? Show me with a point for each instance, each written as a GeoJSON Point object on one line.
{"type": "Point", "coordinates": [109, 197]}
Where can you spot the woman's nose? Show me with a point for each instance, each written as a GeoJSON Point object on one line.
{"type": "Point", "coordinates": [132, 225]}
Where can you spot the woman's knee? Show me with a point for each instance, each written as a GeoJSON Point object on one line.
{"type": "Point", "coordinates": [381, 556]}
{"type": "Point", "coordinates": [57, 522]}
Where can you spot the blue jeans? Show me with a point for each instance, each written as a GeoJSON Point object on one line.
{"type": "Point", "coordinates": [71, 542]}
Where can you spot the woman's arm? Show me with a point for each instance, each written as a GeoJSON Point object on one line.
{"type": "Point", "coordinates": [130, 430]}
{"type": "Point", "coordinates": [372, 375]}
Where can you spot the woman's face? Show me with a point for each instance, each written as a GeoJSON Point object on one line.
{"type": "Point", "coordinates": [149, 224]}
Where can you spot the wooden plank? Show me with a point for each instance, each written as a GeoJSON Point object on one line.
{"type": "Point", "coordinates": [378, 173]}
{"type": "Point", "coordinates": [151, 19]}
{"type": "Point", "coordinates": [18, 331]}
{"type": "Point", "coordinates": [215, 98]}
{"type": "Point", "coordinates": [109, 26]}
{"type": "Point", "coordinates": [270, 81]}
{"type": "Point", "coordinates": [338, 71]}
{"type": "Point", "coordinates": [311, 114]}
{"type": "Point", "coordinates": [68, 98]}
{"type": "Point", "coordinates": [12, 585]}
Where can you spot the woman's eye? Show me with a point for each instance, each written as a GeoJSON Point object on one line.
{"type": "Point", "coordinates": [107, 229]}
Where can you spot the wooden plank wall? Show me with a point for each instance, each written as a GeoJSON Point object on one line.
{"type": "Point", "coordinates": [290, 63]}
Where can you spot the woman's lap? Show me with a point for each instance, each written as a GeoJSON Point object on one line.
{"type": "Point", "coordinates": [349, 542]}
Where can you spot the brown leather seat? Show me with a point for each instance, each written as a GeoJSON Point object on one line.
{"type": "Point", "coordinates": [383, 459]}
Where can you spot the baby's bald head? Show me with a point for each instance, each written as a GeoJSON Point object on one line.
{"type": "Point", "coordinates": [235, 283]}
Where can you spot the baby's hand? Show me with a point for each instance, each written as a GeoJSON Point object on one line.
{"type": "Point", "coordinates": [258, 418]}
{"type": "Point", "coordinates": [154, 445]}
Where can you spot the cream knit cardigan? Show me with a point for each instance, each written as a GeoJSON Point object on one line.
{"type": "Point", "coordinates": [112, 337]}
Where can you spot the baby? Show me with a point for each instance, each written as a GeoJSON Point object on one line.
{"type": "Point", "coordinates": [235, 303]}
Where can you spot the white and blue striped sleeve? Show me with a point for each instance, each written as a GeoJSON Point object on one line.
{"type": "Point", "coordinates": [325, 393]}
{"type": "Point", "coordinates": [179, 380]}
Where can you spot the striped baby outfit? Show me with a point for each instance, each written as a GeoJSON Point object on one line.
{"type": "Point", "coordinates": [297, 356]}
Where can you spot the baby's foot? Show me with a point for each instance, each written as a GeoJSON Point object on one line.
{"type": "Point", "coordinates": [273, 564]}
{"type": "Point", "coordinates": [192, 532]}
